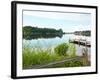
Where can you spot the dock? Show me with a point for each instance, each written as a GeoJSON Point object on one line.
{"type": "Point", "coordinates": [81, 42]}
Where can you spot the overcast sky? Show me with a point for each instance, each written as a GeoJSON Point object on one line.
{"type": "Point", "coordinates": [68, 21]}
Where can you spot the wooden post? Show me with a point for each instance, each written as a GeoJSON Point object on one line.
{"type": "Point", "coordinates": [85, 57]}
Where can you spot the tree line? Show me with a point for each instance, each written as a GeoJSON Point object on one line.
{"type": "Point", "coordinates": [84, 33]}
{"type": "Point", "coordinates": [35, 32]}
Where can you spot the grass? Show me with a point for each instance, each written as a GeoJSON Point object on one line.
{"type": "Point", "coordinates": [33, 56]}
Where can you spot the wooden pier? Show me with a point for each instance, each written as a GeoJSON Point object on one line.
{"type": "Point", "coordinates": [81, 42]}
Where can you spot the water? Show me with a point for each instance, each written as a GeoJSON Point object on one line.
{"type": "Point", "coordinates": [52, 42]}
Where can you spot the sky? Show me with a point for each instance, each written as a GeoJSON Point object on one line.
{"type": "Point", "coordinates": [67, 21]}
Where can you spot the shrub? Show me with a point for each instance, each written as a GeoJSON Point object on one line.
{"type": "Point", "coordinates": [72, 50]}
{"type": "Point", "coordinates": [61, 49]}
{"type": "Point", "coordinates": [73, 63]}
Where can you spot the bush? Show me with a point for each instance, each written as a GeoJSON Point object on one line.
{"type": "Point", "coordinates": [61, 49]}
{"type": "Point", "coordinates": [73, 64]}
{"type": "Point", "coordinates": [72, 50]}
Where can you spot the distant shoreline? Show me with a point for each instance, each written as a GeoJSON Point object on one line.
{"type": "Point", "coordinates": [30, 32]}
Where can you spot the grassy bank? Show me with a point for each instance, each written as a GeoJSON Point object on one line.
{"type": "Point", "coordinates": [33, 56]}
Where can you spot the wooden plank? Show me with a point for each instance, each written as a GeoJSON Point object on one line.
{"type": "Point", "coordinates": [57, 62]}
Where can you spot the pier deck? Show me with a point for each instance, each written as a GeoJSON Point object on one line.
{"type": "Point", "coordinates": [81, 42]}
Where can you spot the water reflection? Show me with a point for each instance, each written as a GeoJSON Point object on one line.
{"type": "Point", "coordinates": [38, 36]}
{"type": "Point", "coordinates": [51, 41]}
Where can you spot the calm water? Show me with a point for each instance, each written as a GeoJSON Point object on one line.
{"type": "Point", "coordinates": [52, 42]}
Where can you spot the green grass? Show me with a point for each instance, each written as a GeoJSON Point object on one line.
{"type": "Point", "coordinates": [33, 56]}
